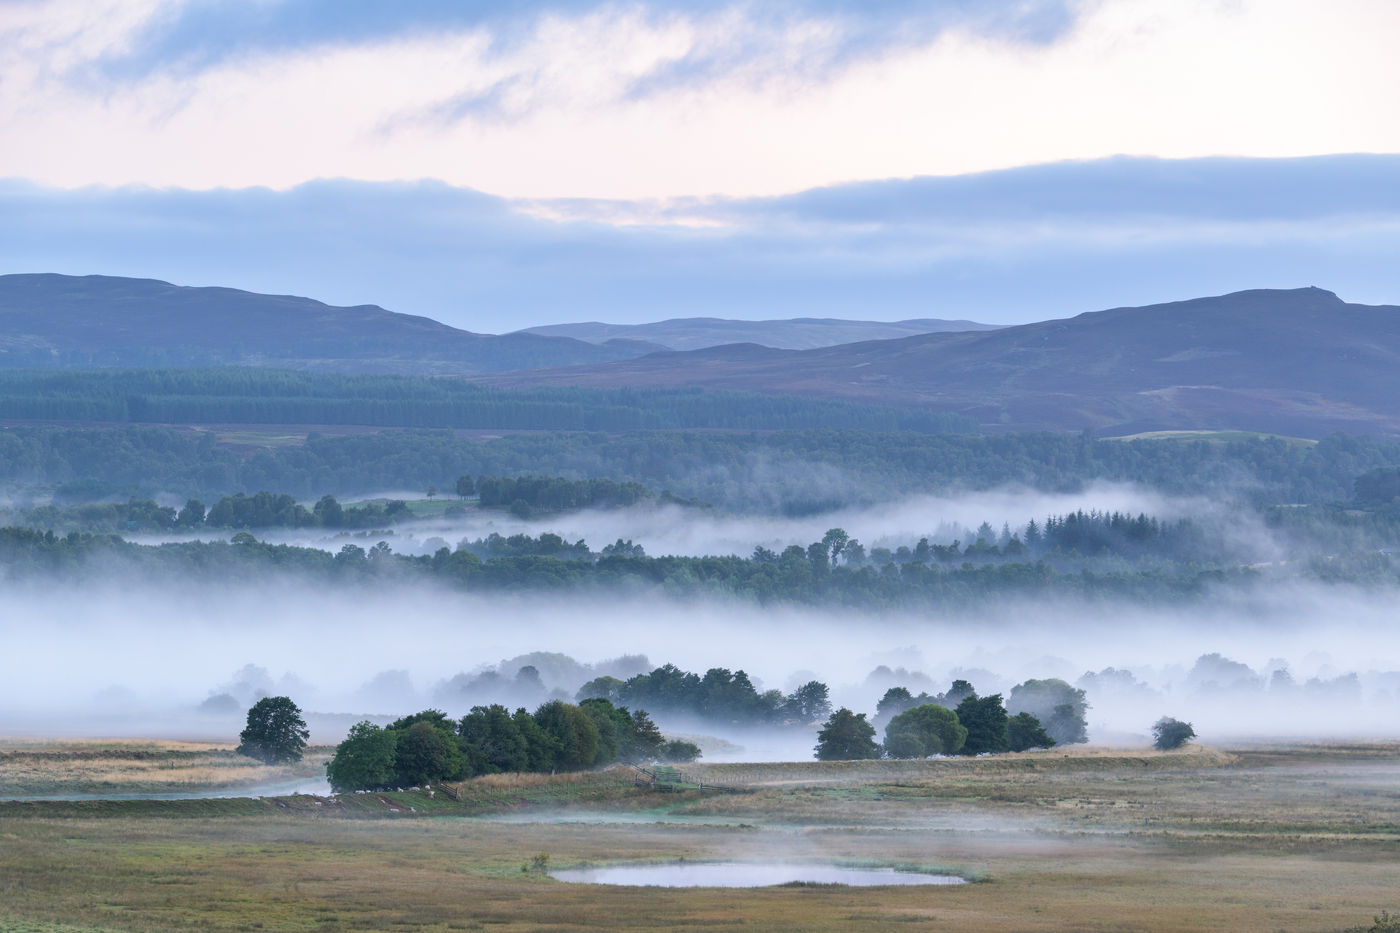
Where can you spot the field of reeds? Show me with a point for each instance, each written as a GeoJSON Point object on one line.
{"type": "Point", "coordinates": [1293, 838]}
{"type": "Point", "coordinates": [130, 766]}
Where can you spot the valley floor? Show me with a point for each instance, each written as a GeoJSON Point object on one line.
{"type": "Point", "coordinates": [1296, 838]}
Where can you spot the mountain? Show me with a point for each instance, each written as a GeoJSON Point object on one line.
{"type": "Point", "coordinates": [1298, 361]}
{"type": "Point", "coordinates": [67, 321]}
{"type": "Point", "coordinates": [803, 333]}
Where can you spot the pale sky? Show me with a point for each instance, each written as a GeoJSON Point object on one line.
{"type": "Point", "coordinates": [629, 101]}
{"type": "Point", "coordinates": [501, 165]}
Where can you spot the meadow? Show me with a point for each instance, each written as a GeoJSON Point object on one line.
{"type": "Point", "coordinates": [138, 766]}
{"type": "Point", "coordinates": [1289, 837]}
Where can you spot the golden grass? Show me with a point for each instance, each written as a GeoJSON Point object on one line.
{"type": "Point", "coordinates": [517, 780]}
{"type": "Point", "coordinates": [1077, 759]}
{"type": "Point", "coordinates": [120, 766]}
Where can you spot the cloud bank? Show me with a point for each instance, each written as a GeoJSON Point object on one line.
{"type": "Point", "coordinates": [1004, 247]}
{"type": "Point", "coordinates": [651, 100]}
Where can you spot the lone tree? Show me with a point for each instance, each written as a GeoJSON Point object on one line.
{"type": "Point", "coordinates": [846, 737]}
{"type": "Point", "coordinates": [275, 733]}
{"type": "Point", "coordinates": [1169, 733]}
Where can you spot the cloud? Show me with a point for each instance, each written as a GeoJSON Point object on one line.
{"type": "Point", "coordinates": [1006, 247]}
{"type": "Point", "coordinates": [641, 100]}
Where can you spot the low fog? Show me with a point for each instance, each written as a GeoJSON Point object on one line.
{"type": "Point", "coordinates": [125, 658]}
{"type": "Point", "coordinates": [677, 530]}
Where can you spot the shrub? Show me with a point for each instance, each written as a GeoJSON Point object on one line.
{"type": "Point", "coordinates": [1169, 733]}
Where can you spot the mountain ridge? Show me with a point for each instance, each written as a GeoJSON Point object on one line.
{"type": "Point", "coordinates": [48, 320]}
{"type": "Point", "coordinates": [1286, 361]}
{"type": "Point", "coordinates": [1290, 361]}
{"type": "Point", "coordinates": [802, 333]}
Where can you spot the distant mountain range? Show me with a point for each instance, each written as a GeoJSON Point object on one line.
{"type": "Point", "coordinates": [1299, 362]}
{"type": "Point", "coordinates": [96, 320]}
{"type": "Point", "coordinates": [1296, 361]}
{"type": "Point", "coordinates": [803, 333]}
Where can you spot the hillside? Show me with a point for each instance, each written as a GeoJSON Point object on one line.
{"type": "Point", "coordinates": [806, 333]}
{"type": "Point", "coordinates": [1300, 362]}
{"type": "Point", "coordinates": [59, 321]}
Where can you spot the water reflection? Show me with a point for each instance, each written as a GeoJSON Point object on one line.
{"type": "Point", "coordinates": [746, 875]}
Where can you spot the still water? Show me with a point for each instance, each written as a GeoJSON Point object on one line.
{"type": "Point", "coordinates": [746, 875]}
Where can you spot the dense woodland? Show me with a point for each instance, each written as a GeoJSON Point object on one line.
{"type": "Point", "coordinates": [1330, 509]}
{"type": "Point", "coordinates": [788, 471]}
{"type": "Point", "coordinates": [260, 396]}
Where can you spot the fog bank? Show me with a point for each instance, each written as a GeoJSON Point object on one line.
{"type": "Point", "coordinates": [677, 530]}
{"type": "Point", "coordinates": [123, 659]}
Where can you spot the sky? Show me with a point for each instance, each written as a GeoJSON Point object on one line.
{"type": "Point", "coordinates": [497, 166]}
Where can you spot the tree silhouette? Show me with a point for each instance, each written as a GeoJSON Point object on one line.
{"type": "Point", "coordinates": [275, 733]}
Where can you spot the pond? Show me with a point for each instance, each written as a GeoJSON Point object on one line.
{"type": "Point", "coordinates": [746, 875]}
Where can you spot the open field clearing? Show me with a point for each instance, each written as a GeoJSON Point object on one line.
{"type": "Point", "coordinates": [138, 766]}
{"type": "Point", "coordinates": [1302, 838]}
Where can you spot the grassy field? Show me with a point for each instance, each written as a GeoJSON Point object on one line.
{"type": "Point", "coordinates": [138, 766]}
{"type": "Point", "coordinates": [1296, 838]}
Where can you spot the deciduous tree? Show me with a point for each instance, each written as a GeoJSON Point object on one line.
{"type": "Point", "coordinates": [846, 736]}
{"type": "Point", "coordinates": [275, 732]}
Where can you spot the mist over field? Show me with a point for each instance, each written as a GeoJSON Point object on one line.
{"type": "Point", "coordinates": [678, 530]}
{"type": "Point", "coordinates": [132, 657]}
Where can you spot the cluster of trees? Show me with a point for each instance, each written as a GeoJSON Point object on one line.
{"type": "Point", "coordinates": [268, 510]}
{"type": "Point", "coordinates": [547, 544]}
{"type": "Point", "coordinates": [1039, 714]}
{"type": "Point", "coordinates": [527, 494]}
{"type": "Point", "coordinates": [793, 577]}
{"type": "Point", "coordinates": [719, 696]}
{"type": "Point", "coordinates": [1076, 534]}
{"type": "Point", "coordinates": [1378, 487]}
{"type": "Point", "coordinates": [260, 510]}
{"type": "Point", "coordinates": [558, 736]}
{"type": "Point", "coordinates": [788, 470]}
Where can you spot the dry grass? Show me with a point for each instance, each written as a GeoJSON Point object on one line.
{"type": "Point", "coordinates": [1078, 759]}
{"type": "Point", "coordinates": [517, 780]}
{"type": "Point", "coordinates": [1098, 842]}
{"type": "Point", "coordinates": [133, 766]}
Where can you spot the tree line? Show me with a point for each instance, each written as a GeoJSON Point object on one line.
{"type": "Point", "coordinates": [1038, 714]}
{"type": "Point", "coordinates": [427, 747]}
{"type": "Point", "coordinates": [719, 696]}
{"type": "Point", "coordinates": [787, 471]}
{"type": "Point", "coordinates": [524, 495]}
{"type": "Point", "coordinates": [797, 576]}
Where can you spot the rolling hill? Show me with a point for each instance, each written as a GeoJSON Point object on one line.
{"type": "Point", "coordinates": [59, 321]}
{"type": "Point", "coordinates": [1298, 361]}
{"type": "Point", "coordinates": [804, 333]}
